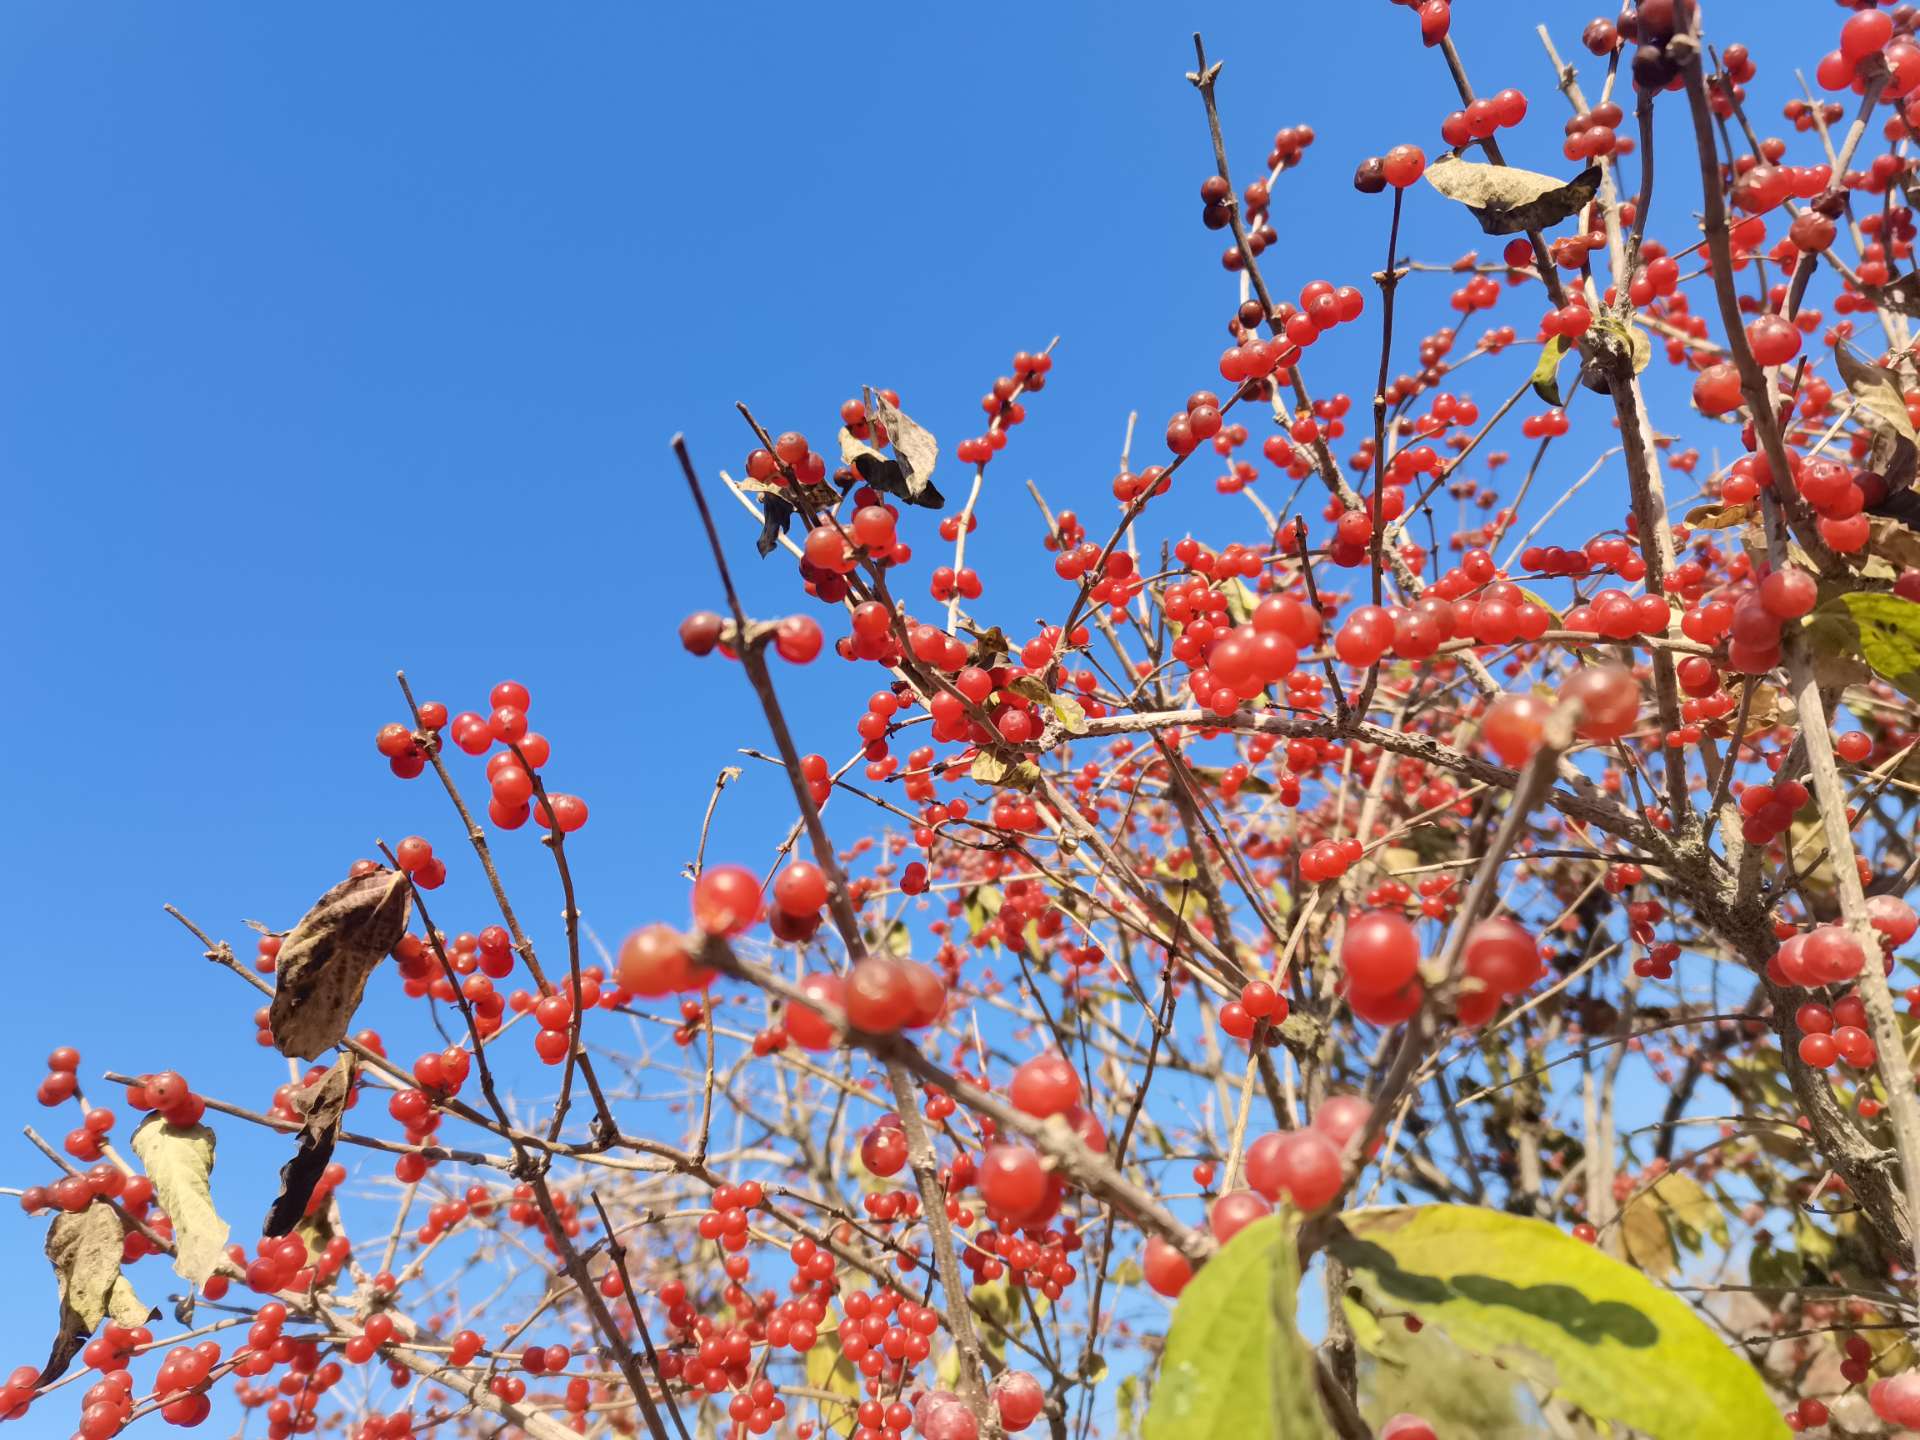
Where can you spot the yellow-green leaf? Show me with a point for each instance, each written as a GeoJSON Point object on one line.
{"type": "Point", "coordinates": [1577, 1322]}
{"type": "Point", "coordinates": [829, 1369]}
{"type": "Point", "coordinates": [1235, 1367]}
{"type": "Point", "coordinates": [1546, 374]}
{"type": "Point", "coordinates": [1069, 711]}
{"type": "Point", "coordinates": [180, 1161]}
{"type": "Point", "coordinates": [1889, 630]}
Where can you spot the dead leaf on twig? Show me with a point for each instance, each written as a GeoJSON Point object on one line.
{"type": "Point", "coordinates": [906, 474]}
{"type": "Point", "coordinates": [85, 1250]}
{"type": "Point", "coordinates": [326, 959]}
{"type": "Point", "coordinates": [1901, 295]}
{"type": "Point", "coordinates": [1718, 515]}
{"type": "Point", "coordinates": [1507, 200]}
{"type": "Point", "coordinates": [322, 1105]}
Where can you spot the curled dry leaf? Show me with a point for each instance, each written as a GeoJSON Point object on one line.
{"type": "Point", "coordinates": [85, 1251]}
{"type": "Point", "coordinates": [1883, 406]}
{"type": "Point", "coordinates": [326, 959]}
{"type": "Point", "coordinates": [1876, 388]}
{"type": "Point", "coordinates": [1507, 200]}
{"type": "Point", "coordinates": [1895, 543]}
{"type": "Point", "coordinates": [776, 517]}
{"type": "Point", "coordinates": [179, 1160]}
{"type": "Point", "coordinates": [1718, 516]}
{"type": "Point", "coordinates": [1901, 295]}
{"type": "Point", "coordinates": [908, 472]}
{"type": "Point", "coordinates": [321, 1105]}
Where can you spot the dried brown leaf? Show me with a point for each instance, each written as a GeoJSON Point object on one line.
{"type": "Point", "coordinates": [1876, 390]}
{"type": "Point", "coordinates": [85, 1250]}
{"type": "Point", "coordinates": [179, 1160]}
{"type": "Point", "coordinates": [1507, 200]}
{"type": "Point", "coordinates": [1894, 542]}
{"type": "Point", "coordinates": [907, 474]}
{"type": "Point", "coordinates": [1901, 295]}
{"type": "Point", "coordinates": [1718, 516]}
{"type": "Point", "coordinates": [326, 959]}
{"type": "Point", "coordinates": [321, 1106]}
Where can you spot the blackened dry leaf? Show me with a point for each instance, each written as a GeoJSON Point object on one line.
{"type": "Point", "coordinates": [321, 1106]}
{"type": "Point", "coordinates": [988, 645]}
{"type": "Point", "coordinates": [85, 1250]}
{"type": "Point", "coordinates": [326, 959]}
{"type": "Point", "coordinates": [1506, 200]}
{"type": "Point", "coordinates": [776, 517]}
{"type": "Point", "coordinates": [179, 1161]}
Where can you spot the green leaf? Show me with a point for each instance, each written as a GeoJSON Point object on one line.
{"type": "Point", "coordinates": [1235, 1367]}
{"type": "Point", "coordinates": [1506, 199]}
{"type": "Point", "coordinates": [1546, 375]}
{"type": "Point", "coordinates": [1889, 630]}
{"type": "Point", "coordinates": [1570, 1318]}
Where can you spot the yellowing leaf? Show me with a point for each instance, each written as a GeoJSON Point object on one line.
{"type": "Point", "coordinates": [1546, 374]}
{"type": "Point", "coordinates": [1570, 1318]}
{"type": "Point", "coordinates": [1645, 1238]}
{"type": "Point", "coordinates": [829, 1369]}
{"type": "Point", "coordinates": [1235, 1367]}
{"type": "Point", "coordinates": [179, 1161]}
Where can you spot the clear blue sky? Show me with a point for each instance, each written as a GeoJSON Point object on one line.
{"type": "Point", "coordinates": [333, 342]}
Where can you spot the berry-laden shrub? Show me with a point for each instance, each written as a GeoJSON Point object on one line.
{"type": "Point", "coordinates": [1506, 920]}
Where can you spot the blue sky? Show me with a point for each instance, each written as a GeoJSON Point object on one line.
{"type": "Point", "coordinates": [336, 343]}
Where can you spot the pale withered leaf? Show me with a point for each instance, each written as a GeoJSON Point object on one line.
{"type": "Point", "coordinates": [84, 1250]}
{"type": "Point", "coordinates": [179, 1160]}
{"type": "Point", "coordinates": [321, 1106]}
{"type": "Point", "coordinates": [1507, 200]}
{"type": "Point", "coordinates": [1894, 542]}
{"type": "Point", "coordinates": [326, 959]}
{"type": "Point", "coordinates": [1876, 388]}
{"type": "Point", "coordinates": [1900, 295]}
{"type": "Point", "coordinates": [906, 474]}
{"type": "Point", "coordinates": [1883, 405]}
